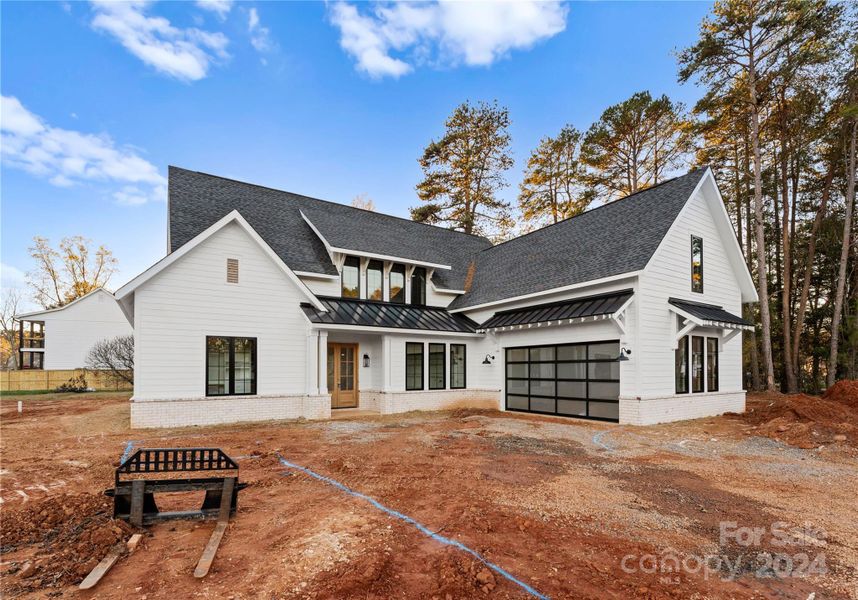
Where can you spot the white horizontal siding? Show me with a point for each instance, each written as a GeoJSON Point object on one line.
{"type": "Point", "coordinates": [178, 308]}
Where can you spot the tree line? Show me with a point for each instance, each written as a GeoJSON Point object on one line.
{"type": "Point", "coordinates": [777, 123]}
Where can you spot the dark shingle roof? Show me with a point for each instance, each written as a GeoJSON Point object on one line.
{"type": "Point", "coordinates": [369, 313]}
{"type": "Point", "coordinates": [591, 306]}
{"type": "Point", "coordinates": [613, 239]}
{"type": "Point", "coordinates": [198, 200]}
{"type": "Point", "coordinates": [709, 312]}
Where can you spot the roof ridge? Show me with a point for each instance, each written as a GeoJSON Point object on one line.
{"type": "Point", "coordinates": [389, 216]}
{"type": "Point", "coordinates": [595, 208]}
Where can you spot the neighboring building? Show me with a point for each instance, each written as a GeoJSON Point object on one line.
{"type": "Point", "coordinates": [272, 305]}
{"type": "Point", "coordinates": [60, 338]}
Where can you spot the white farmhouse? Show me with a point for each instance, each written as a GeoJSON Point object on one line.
{"type": "Point", "coordinates": [272, 305]}
{"type": "Point", "coordinates": [60, 338]}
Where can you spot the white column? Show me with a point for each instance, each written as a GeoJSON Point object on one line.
{"type": "Point", "coordinates": [385, 281]}
{"type": "Point", "coordinates": [323, 362]}
{"type": "Point", "coordinates": [409, 271]}
{"type": "Point", "coordinates": [385, 363]}
{"type": "Point", "coordinates": [311, 386]}
{"type": "Point", "coordinates": [364, 293]}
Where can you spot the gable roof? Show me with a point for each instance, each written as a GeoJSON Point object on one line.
{"type": "Point", "coordinates": [38, 313]}
{"type": "Point", "coordinates": [610, 240]}
{"type": "Point", "coordinates": [197, 200]}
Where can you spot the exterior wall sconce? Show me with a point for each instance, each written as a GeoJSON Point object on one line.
{"type": "Point", "coordinates": [366, 360]}
{"type": "Point", "coordinates": [624, 354]}
{"type": "Point", "coordinates": [488, 359]}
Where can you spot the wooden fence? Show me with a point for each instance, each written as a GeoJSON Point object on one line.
{"type": "Point", "coordinates": [38, 379]}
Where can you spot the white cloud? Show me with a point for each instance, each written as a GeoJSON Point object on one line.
{"type": "Point", "coordinates": [260, 37]}
{"type": "Point", "coordinates": [185, 54]}
{"type": "Point", "coordinates": [447, 32]}
{"type": "Point", "coordinates": [11, 277]}
{"type": "Point", "coordinates": [221, 7]}
{"type": "Point", "coordinates": [66, 158]}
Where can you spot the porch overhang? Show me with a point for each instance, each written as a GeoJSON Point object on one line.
{"type": "Point", "coordinates": [611, 305]}
{"type": "Point", "coordinates": [697, 314]}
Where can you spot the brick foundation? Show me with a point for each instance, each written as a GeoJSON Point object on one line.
{"type": "Point", "coordinates": [649, 411]}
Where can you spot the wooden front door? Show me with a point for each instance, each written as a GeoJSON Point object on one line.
{"type": "Point", "coordinates": [343, 375]}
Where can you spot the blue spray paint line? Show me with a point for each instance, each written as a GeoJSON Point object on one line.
{"type": "Point", "coordinates": [422, 528]}
{"type": "Point", "coordinates": [597, 439]}
{"type": "Point", "coordinates": [128, 447]}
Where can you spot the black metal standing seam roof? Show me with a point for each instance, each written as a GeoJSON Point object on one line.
{"type": "Point", "coordinates": [619, 237]}
{"type": "Point", "coordinates": [370, 313]}
{"type": "Point", "coordinates": [591, 306]}
{"type": "Point", "coordinates": [709, 312]}
{"type": "Point", "coordinates": [198, 200]}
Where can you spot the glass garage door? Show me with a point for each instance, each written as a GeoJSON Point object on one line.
{"type": "Point", "coordinates": [570, 380]}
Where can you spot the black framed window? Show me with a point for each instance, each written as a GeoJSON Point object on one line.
{"type": "Point", "coordinates": [681, 366]}
{"type": "Point", "coordinates": [696, 364]}
{"type": "Point", "coordinates": [437, 367]}
{"type": "Point", "coordinates": [418, 286]}
{"type": "Point", "coordinates": [230, 366]}
{"type": "Point", "coordinates": [413, 366]}
{"type": "Point", "coordinates": [31, 360]}
{"type": "Point", "coordinates": [350, 277]}
{"type": "Point", "coordinates": [458, 366]}
{"type": "Point", "coordinates": [31, 334]}
{"type": "Point", "coordinates": [374, 280]}
{"type": "Point", "coordinates": [696, 264]}
{"type": "Point", "coordinates": [711, 364]}
{"type": "Point", "coordinates": [576, 380]}
{"type": "Point", "coordinates": [397, 284]}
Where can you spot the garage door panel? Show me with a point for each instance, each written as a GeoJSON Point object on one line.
{"type": "Point", "coordinates": [575, 380]}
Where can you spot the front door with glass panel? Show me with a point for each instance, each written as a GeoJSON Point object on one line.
{"type": "Point", "coordinates": [342, 375]}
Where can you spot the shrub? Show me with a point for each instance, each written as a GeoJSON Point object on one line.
{"type": "Point", "coordinates": [75, 384]}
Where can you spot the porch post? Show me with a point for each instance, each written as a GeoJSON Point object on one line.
{"type": "Point", "coordinates": [323, 362]}
{"type": "Point", "coordinates": [311, 386]}
{"type": "Point", "coordinates": [385, 363]}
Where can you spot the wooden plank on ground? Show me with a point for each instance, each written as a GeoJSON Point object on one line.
{"type": "Point", "coordinates": [223, 520]}
{"type": "Point", "coordinates": [103, 567]}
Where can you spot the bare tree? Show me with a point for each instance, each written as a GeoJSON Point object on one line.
{"type": "Point", "coordinates": [9, 304]}
{"type": "Point", "coordinates": [364, 202]}
{"type": "Point", "coordinates": [115, 355]}
{"type": "Point", "coordinates": [72, 271]}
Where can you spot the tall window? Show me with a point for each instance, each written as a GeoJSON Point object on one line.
{"type": "Point", "coordinates": [712, 364]}
{"type": "Point", "coordinates": [458, 366]}
{"type": "Point", "coordinates": [413, 366]}
{"type": "Point", "coordinates": [32, 334]}
{"type": "Point", "coordinates": [696, 264]}
{"type": "Point", "coordinates": [351, 277]}
{"type": "Point", "coordinates": [696, 364]}
{"type": "Point", "coordinates": [418, 286]}
{"type": "Point", "coordinates": [681, 358]}
{"type": "Point", "coordinates": [230, 366]}
{"type": "Point", "coordinates": [374, 279]}
{"type": "Point", "coordinates": [32, 360]}
{"type": "Point", "coordinates": [437, 367]}
{"type": "Point", "coordinates": [397, 284]}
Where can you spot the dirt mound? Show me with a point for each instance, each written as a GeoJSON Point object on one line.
{"type": "Point", "coordinates": [58, 540]}
{"type": "Point", "coordinates": [804, 421]}
{"type": "Point", "coordinates": [844, 391]}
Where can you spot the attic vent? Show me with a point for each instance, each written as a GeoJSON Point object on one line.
{"type": "Point", "coordinates": [232, 270]}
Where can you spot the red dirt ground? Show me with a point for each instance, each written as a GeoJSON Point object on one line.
{"type": "Point", "coordinates": [557, 503]}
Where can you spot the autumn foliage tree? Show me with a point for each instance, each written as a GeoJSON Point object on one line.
{"type": "Point", "coordinates": [68, 272]}
{"type": "Point", "coordinates": [464, 171]}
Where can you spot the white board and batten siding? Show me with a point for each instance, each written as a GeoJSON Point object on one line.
{"type": "Point", "coordinates": [70, 332]}
{"type": "Point", "coordinates": [191, 299]}
{"type": "Point", "coordinates": [668, 275]}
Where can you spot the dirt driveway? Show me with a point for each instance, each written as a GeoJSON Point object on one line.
{"type": "Point", "coordinates": [568, 509]}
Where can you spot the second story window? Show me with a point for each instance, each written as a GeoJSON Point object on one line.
{"type": "Point", "coordinates": [418, 286]}
{"type": "Point", "coordinates": [696, 264]}
{"type": "Point", "coordinates": [351, 277]}
{"type": "Point", "coordinates": [374, 278]}
{"type": "Point", "coordinates": [397, 284]}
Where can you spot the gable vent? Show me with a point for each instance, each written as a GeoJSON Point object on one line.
{"type": "Point", "coordinates": [232, 270]}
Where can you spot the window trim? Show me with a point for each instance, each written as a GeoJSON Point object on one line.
{"type": "Point", "coordinates": [716, 361]}
{"type": "Point", "coordinates": [231, 371]}
{"type": "Point", "coordinates": [342, 272]}
{"type": "Point", "coordinates": [443, 365]}
{"type": "Point", "coordinates": [422, 366]}
{"type": "Point", "coordinates": [464, 367]}
{"type": "Point", "coordinates": [684, 342]}
{"type": "Point", "coordinates": [399, 269]}
{"type": "Point", "coordinates": [693, 287]}
{"type": "Point", "coordinates": [702, 389]}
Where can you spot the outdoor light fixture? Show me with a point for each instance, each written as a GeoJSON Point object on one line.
{"type": "Point", "coordinates": [488, 359]}
{"type": "Point", "coordinates": [366, 360]}
{"type": "Point", "coordinates": [624, 354]}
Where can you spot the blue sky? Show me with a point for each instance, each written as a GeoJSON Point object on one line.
{"type": "Point", "coordinates": [329, 100]}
